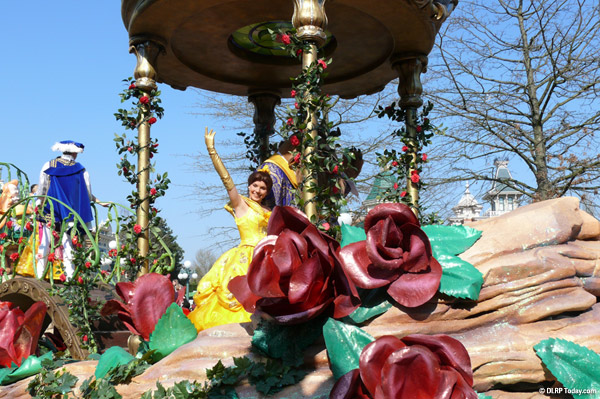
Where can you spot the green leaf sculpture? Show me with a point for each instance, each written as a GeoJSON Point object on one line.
{"type": "Point", "coordinates": [344, 346]}
{"type": "Point", "coordinates": [30, 366]}
{"type": "Point", "coordinates": [373, 303]}
{"type": "Point", "coordinates": [459, 278]}
{"type": "Point", "coordinates": [483, 396]}
{"type": "Point", "coordinates": [172, 330]}
{"type": "Point", "coordinates": [351, 234]}
{"type": "Point", "coordinates": [574, 366]}
{"type": "Point", "coordinates": [113, 357]}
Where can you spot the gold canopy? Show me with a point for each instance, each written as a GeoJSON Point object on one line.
{"type": "Point", "coordinates": [199, 51]}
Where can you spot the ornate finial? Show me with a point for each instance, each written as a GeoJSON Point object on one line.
{"type": "Point", "coordinates": [146, 50]}
{"type": "Point", "coordinates": [409, 68]}
{"type": "Point", "coordinates": [310, 20]}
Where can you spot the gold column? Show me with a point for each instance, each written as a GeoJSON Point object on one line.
{"type": "Point", "coordinates": [409, 68]}
{"type": "Point", "coordinates": [264, 118]}
{"type": "Point", "coordinates": [146, 51]}
{"type": "Point", "coordinates": [310, 22]}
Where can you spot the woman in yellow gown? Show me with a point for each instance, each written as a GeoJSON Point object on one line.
{"type": "Point", "coordinates": [215, 305]}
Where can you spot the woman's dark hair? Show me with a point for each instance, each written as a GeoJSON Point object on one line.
{"type": "Point", "coordinates": [264, 177]}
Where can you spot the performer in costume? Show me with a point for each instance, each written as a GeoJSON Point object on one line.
{"type": "Point", "coordinates": [285, 180]}
{"type": "Point", "coordinates": [215, 305]}
{"type": "Point", "coordinates": [66, 180]}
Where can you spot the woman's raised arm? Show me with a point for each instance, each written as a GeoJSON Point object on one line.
{"type": "Point", "coordinates": [234, 196]}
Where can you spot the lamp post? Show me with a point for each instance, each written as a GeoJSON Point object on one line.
{"type": "Point", "coordinates": [186, 274]}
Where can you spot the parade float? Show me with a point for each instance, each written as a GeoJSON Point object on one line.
{"type": "Point", "coordinates": [505, 308]}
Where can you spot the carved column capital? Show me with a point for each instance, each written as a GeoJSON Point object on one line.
{"type": "Point", "coordinates": [409, 68]}
{"type": "Point", "coordinates": [146, 50]}
{"type": "Point", "coordinates": [310, 20]}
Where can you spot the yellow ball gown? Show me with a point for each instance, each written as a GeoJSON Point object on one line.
{"type": "Point", "coordinates": [215, 305]}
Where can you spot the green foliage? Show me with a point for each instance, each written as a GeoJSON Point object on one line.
{"type": "Point", "coordinates": [316, 146]}
{"type": "Point", "coordinates": [30, 366]}
{"type": "Point", "coordinates": [460, 279]}
{"type": "Point", "coordinates": [111, 358]}
{"type": "Point", "coordinates": [83, 311]}
{"type": "Point", "coordinates": [574, 366]}
{"type": "Point", "coordinates": [145, 107]}
{"type": "Point", "coordinates": [49, 384]}
{"type": "Point", "coordinates": [344, 346]}
{"type": "Point", "coordinates": [287, 342]}
{"type": "Point", "coordinates": [164, 340]}
{"type": "Point", "coordinates": [404, 166]}
{"type": "Point", "coordinates": [372, 303]}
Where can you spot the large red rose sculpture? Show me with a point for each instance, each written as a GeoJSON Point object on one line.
{"type": "Point", "coordinates": [19, 332]}
{"type": "Point", "coordinates": [296, 273]}
{"type": "Point", "coordinates": [416, 366]}
{"type": "Point", "coordinates": [396, 254]}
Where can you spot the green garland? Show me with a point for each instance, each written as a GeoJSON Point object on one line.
{"type": "Point", "coordinates": [145, 109]}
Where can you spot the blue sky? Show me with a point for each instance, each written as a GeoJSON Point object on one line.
{"type": "Point", "coordinates": [61, 73]}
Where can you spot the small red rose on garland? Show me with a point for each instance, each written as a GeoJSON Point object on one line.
{"type": "Point", "coordinates": [322, 64]}
{"type": "Point", "coordinates": [51, 257]}
{"type": "Point", "coordinates": [28, 226]}
{"type": "Point", "coordinates": [284, 38]}
{"type": "Point", "coordinates": [416, 366]}
{"type": "Point", "coordinates": [152, 192]}
{"type": "Point", "coordinates": [132, 86]}
{"type": "Point", "coordinates": [63, 278]}
{"type": "Point", "coordinates": [137, 229]}
{"type": "Point", "coordinates": [293, 93]}
{"type": "Point", "coordinates": [396, 254]}
{"type": "Point", "coordinates": [14, 256]}
{"type": "Point", "coordinates": [294, 140]}
{"type": "Point", "coordinates": [404, 148]}
{"type": "Point", "coordinates": [9, 224]}
{"type": "Point", "coordinates": [3, 236]}
{"type": "Point", "coordinates": [152, 121]}
{"type": "Point", "coordinates": [290, 121]}
{"type": "Point", "coordinates": [424, 157]}
{"type": "Point", "coordinates": [144, 100]}
{"type": "Point", "coordinates": [414, 176]}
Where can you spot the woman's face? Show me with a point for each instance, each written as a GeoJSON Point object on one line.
{"type": "Point", "coordinates": [257, 191]}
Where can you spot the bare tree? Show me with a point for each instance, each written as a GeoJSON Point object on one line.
{"type": "Point", "coordinates": [521, 79]}
{"type": "Point", "coordinates": [203, 261]}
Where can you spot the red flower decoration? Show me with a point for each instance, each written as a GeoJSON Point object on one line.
{"type": "Point", "coordinates": [155, 145]}
{"type": "Point", "coordinates": [28, 226]}
{"type": "Point", "coordinates": [51, 257]}
{"type": "Point", "coordinates": [395, 186]}
{"type": "Point", "coordinates": [335, 190]}
{"type": "Point", "coordinates": [84, 338]}
{"type": "Point", "coordinates": [80, 280]}
{"type": "Point", "coordinates": [294, 140]}
{"type": "Point", "coordinates": [335, 170]}
{"type": "Point", "coordinates": [295, 274]}
{"type": "Point", "coordinates": [414, 177]}
{"type": "Point", "coordinates": [144, 100]}
{"type": "Point", "coordinates": [132, 86]}
{"type": "Point", "coordinates": [2, 271]}
{"type": "Point", "coordinates": [293, 93]}
{"type": "Point", "coordinates": [63, 278]}
{"type": "Point", "coordinates": [290, 121]}
{"type": "Point", "coordinates": [112, 253]}
{"type": "Point", "coordinates": [3, 236]}
{"type": "Point", "coordinates": [9, 224]}
{"type": "Point", "coordinates": [419, 129]}
{"type": "Point", "coordinates": [144, 302]}
{"type": "Point", "coordinates": [416, 366]}
{"type": "Point", "coordinates": [403, 194]}
{"type": "Point", "coordinates": [296, 105]}
{"type": "Point", "coordinates": [424, 157]}
{"type": "Point", "coordinates": [14, 256]}
{"type": "Point", "coordinates": [395, 163]}
{"type": "Point", "coordinates": [137, 229]}
{"type": "Point", "coordinates": [396, 254]}
{"type": "Point", "coordinates": [88, 265]}
{"type": "Point", "coordinates": [322, 63]}
{"type": "Point", "coordinates": [20, 332]}
{"type": "Point", "coordinates": [152, 121]}
{"type": "Point", "coordinates": [284, 38]}
{"type": "Point", "coordinates": [299, 52]}
{"type": "Point", "coordinates": [297, 158]}
{"type": "Point", "coordinates": [404, 148]}
{"type": "Point", "coordinates": [152, 191]}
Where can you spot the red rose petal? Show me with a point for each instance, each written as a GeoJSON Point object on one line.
{"type": "Point", "coordinates": [263, 275]}
{"type": "Point", "coordinates": [378, 251]}
{"type": "Point", "coordinates": [358, 267]}
{"type": "Point", "coordinates": [153, 295]}
{"type": "Point", "coordinates": [414, 289]}
{"type": "Point", "coordinates": [418, 249]}
{"type": "Point", "coordinates": [450, 351]}
{"type": "Point", "coordinates": [238, 286]}
{"type": "Point", "coordinates": [411, 372]}
{"type": "Point", "coordinates": [349, 386]}
{"type": "Point", "coordinates": [307, 279]}
{"type": "Point", "coordinates": [289, 252]}
{"type": "Point", "coordinates": [373, 358]}
{"type": "Point", "coordinates": [125, 291]}
{"type": "Point", "coordinates": [400, 213]}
